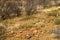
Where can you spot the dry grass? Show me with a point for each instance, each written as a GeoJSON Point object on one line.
{"type": "Point", "coordinates": [38, 27]}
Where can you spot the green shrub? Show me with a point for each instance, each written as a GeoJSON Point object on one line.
{"type": "Point", "coordinates": [29, 26]}
{"type": "Point", "coordinates": [28, 17]}
{"type": "Point", "coordinates": [53, 13]}
{"type": "Point", "coordinates": [57, 21]}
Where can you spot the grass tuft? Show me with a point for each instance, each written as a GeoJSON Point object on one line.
{"type": "Point", "coordinates": [29, 26]}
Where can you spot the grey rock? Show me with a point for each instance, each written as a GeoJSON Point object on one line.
{"type": "Point", "coordinates": [56, 32]}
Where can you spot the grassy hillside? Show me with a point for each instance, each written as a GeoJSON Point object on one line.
{"type": "Point", "coordinates": [39, 26]}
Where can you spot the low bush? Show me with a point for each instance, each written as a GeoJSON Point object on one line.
{"type": "Point", "coordinates": [54, 13]}
{"type": "Point", "coordinates": [57, 20]}
{"type": "Point", "coordinates": [29, 26]}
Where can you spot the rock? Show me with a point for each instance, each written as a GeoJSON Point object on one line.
{"type": "Point", "coordinates": [28, 36]}
{"type": "Point", "coordinates": [56, 32]}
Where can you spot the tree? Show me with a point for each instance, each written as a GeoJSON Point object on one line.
{"type": "Point", "coordinates": [30, 6]}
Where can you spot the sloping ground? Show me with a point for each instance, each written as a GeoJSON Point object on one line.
{"type": "Point", "coordinates": [35, 27]}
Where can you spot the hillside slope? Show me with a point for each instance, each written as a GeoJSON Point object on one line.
{"type": "Point", "coordinates": [34, 27]}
